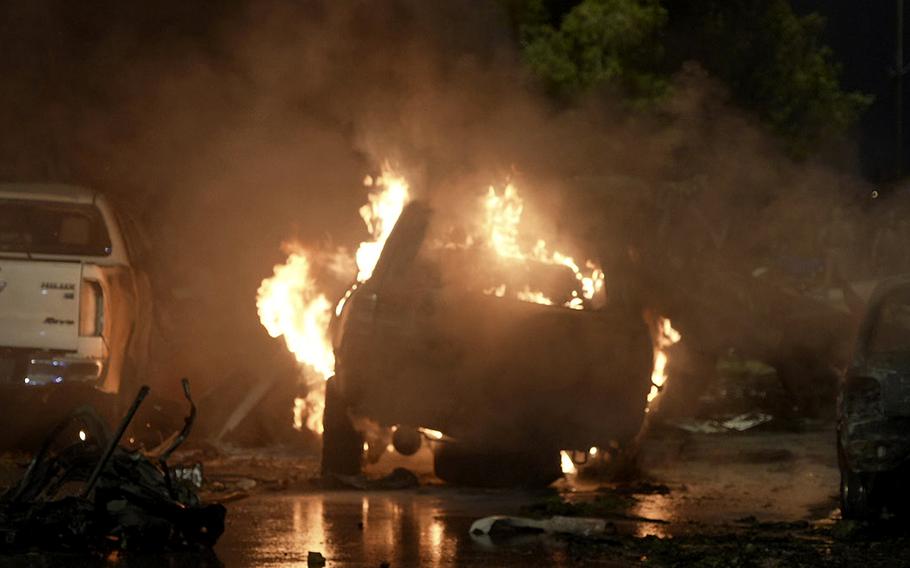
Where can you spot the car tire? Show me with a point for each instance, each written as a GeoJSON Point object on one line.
{"type": "Point", "coordinates": [859, 495]}
{"type": "Point", "coordinates": [496, 469]}
{"type": "Point", "coordinates": [342, 444]}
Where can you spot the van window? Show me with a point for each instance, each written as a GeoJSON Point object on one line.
{"type": "Point", "coordinates": [46, 227]}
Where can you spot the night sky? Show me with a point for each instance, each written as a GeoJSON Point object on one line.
{"type": "Point", "coordinates": [862, 35]}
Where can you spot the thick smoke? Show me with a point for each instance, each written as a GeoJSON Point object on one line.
{"type": "Point", "coordinates": [225, 129]}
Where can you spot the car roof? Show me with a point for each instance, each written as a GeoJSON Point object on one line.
{"type": "Point", "coordinates": [47, 192]}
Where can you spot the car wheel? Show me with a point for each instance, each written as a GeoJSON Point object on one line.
{"type": "Point", "coordinates": [342, 445]}
{"type": "Point", "coordinates": [858, 494]}
{"type": "Point", "coordinates": [477, 468]}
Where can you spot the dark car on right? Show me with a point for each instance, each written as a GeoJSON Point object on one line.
{"type": "Point", "coordinates": [873, 426]}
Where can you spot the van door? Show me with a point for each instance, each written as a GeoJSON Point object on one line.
{"type": "Point", "coordinates": [39, 304]}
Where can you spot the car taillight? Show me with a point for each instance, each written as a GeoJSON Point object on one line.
{"type": "Point", "coordinates": [91, 309]}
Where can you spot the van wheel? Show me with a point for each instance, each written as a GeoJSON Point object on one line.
{"type": "Point", "coordinates": [342, 445]}
{"type": "Point", "coordinates": [859, 495]}
{"type": "Point", "coordinates": [486, 468]}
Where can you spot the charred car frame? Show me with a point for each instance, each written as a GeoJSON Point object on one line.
{"type": "Point", "coordinates": [423, 344]}
{"type": "Point", "coordinates": [873, 428]}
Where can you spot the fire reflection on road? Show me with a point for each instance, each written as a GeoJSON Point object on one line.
{"type": "Point", "coordinates": [349, 528]}
{"type": "Point", "coordinates": [655, 507]}
{"type": "Point", "coordinates": [309, 526]}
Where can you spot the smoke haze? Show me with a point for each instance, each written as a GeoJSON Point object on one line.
{"type": "Point", "coordinates": [228, 128]}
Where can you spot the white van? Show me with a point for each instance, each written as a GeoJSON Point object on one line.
{"type": "Point", "coordinates": [68, 294]}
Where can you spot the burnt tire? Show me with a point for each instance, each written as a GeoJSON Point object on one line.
{"type": "Point", "coordinates": [342, 445]}
{"type": "Point", "coordinates": [496, 469]}
{"type": "Point", "coordinates": [859, 494]}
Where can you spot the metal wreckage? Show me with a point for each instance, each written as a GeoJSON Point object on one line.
{"type": "Point", "coordinates": [97, 496]}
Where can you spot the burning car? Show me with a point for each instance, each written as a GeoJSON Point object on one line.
{"type": "Point", "coordinates": [444, 338]}
{"type": "Point", "coordinates": [68, 297]}
{"type": "Point", "coordinates": [873, 428]}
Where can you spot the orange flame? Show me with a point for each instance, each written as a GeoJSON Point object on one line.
{"type": "Point", "coordinates": [502, 220]}
{"type": "Point", "coordinates": [666, 338]}
{"type": "Point", "coordinates": [290, 304]}
{"type": "Point", "coordinates": [567, 463]}
{"type": "Point", "coordinates": [380, 215]}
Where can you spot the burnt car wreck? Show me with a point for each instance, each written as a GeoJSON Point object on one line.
{"type": "Point", "coordinates": [873, 443]}
{"type": "Point", "coordinates": [96, 497]}
{"type": "Point", "coordinates": [425, 346]}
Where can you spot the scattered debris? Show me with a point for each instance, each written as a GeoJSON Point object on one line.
{"type": "Point", "coordinates": [579, 526]}
{"type": "Point", "coordinates": [315, 559]}
{"type": "Point", "coordinates": [96, 496]}
{"type": "Point", "coordinates": [739, 423]}
{"type": "Point", "coordinates": [191, 474]}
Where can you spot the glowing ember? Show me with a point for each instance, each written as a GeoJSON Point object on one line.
{"type": "Point", "coordinates": [568, 466]}
{"type": "Point", "coordinates": [528, 295]}
{"type": "Point", "coordinates": [666, 337]}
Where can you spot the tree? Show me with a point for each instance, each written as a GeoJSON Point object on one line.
{"type": "Point", "coordinates": [771, 59]}
{"type": "Point", "coordinates": [597, 42]}
{"type": "Point", "coordinates": [774, 63]}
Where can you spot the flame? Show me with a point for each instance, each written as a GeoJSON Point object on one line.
{"type": "Point", "coordinates": [380, 215]}
{"type": "Point", "coordinates": [536, 297]}
{"type": "Point", "coordinates": [432, 434]}
{"type": "Point", "coordinates": [299, 413]}
{"type": "Point", "coordinates": [290, 304]}
{"type": "Point", "coordinates": [666, 337]}
{"type": "Point", "coordinates": [503, 215]}
{"type": "Point", "coordinates": [502, 219]}
{"type": "Point", "coordinates": [567, 464]}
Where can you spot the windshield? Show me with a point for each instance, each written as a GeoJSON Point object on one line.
{"type": "Point", "coordinates": [46, 227]}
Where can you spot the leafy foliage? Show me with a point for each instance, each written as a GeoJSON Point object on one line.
{"type": "Point", "coordinates": [772, 60]}
{"type": "Point", "coordinates": [775, 64]}
{"type": "Point", "coordinates": [597, 42]}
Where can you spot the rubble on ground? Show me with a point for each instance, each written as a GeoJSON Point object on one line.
{"type": "Point", "coordinates": [95, 496]}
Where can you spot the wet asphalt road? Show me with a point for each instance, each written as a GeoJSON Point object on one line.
{"type": "Point", "coordinates": [713, 481]}
{"type": "Point", "coordinates": [406, 528]}
{"type": "Point", "coordinates": [774, 493]}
